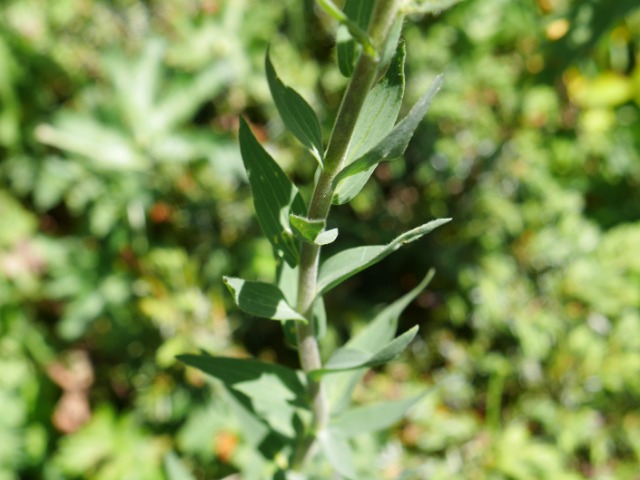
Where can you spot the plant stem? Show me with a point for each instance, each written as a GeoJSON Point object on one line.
{"type": "Point", "coordinates": [361, 83]}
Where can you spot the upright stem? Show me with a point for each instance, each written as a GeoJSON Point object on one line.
{"type": "Point", "coordinates": [359, 86]}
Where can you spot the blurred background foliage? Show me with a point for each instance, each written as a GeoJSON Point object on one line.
{"type": "Point", "coordinates": [123, 201]}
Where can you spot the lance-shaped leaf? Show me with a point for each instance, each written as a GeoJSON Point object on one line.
{"type": "Point", "coordinates": [347, 263]}
{"type": "Point", "coordinates": [383, 327]}
{"type": "Point", "coordinates": [391, 43]}
{"type": "Point", "coordinates": [372, 418]}
{"type": "Point", "coordinates": [296, 113]}
{"type": "Point", "coordinates": [373, 337]}
{"type": "Point", "coordinates": [175, 469]}
{"type": "Point", "coordinates": [381, 108]}
{"type": "Point", "coordinates": [352, 359]}
{"type": "Point", "coordinates": [353, 177]}
{"type": "Point", "coordinates": [359, 14]}
{"type": "Point", "coordinates": [233, 371]}
{"type": "Point", "coordinates": [312, 231]}
{"type": "Point", "coordinates": [271, 392]}
{"type": "Point", "coordinates": [337, 451]}
{"type": "Point", "coordinates": [261, 299]}
{"type": "Point", "coordinates": [274, 196]}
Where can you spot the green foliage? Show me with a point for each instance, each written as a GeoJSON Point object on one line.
{"type": "Point", "coordinates": [274, 196]}
{"type": "Point", "coordinates": [261, 299]}
{"type": "Point", "coordinates": [124, 200]}
{"type": "Point", "coordinates": [347, 48]}
{"type": "Point", "coordinates": [296, 113]}
{"type": "Point", "coordinates": [339, 267]}
{"type": "Point", "coordinates": [280, 209]}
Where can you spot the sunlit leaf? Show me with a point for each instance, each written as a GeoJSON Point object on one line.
{"type": "Point", "coordinates": [338, 452]}
{"type": "Point", "coordinates": [235, 371]}
{"type": "Point", "coordinates": [274, 392]}
{"type": "Point", "coordinates": [352, 359]}
{"type": "Point", "coordinates": [312, 231]}
{"type": "Point", "coordinates": [373, 337]}
{"type": "Point", "coordinates": [296, 113]}
{"type": "Point", "coordinates": [389, 49]}
{"type": "Point", "coordinates": [175, 468]}
{"type": "Point", "coordinates": [381, 107]}
{"type": "Point", "coordinates": [372, 418]}
{"type": "Point", "coordinates": [347, 263]}
{"type": "Point", "coordinates": [352, 178]}
{"type": "Point", "coordinates": [261, 299]}
{"type": "Point", "coordinates": [383, 327]}
{"type": "Point", "coordinates": [274, 196]}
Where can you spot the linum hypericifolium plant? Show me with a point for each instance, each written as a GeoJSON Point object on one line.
{"type": "Point", "coordinates": [296, 419]}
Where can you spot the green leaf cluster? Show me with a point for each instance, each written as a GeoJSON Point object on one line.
{"type": "Point", "coordinates": [124, 200]}
{"type": "Point", "coordinates": [270, 393]}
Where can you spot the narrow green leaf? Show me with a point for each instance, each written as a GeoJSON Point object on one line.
{"type": "Point", "coordinates": [312, 231]}
{"type": "Point", "coordinates": [175, 469]}
{"type": "Point", "coordinates": [271, 392]}
{"type": "Point", "coordinates": [383, 327]}
{"type": "Point", "coordinates": [391, 43]}
{"type": "Point", "coordinates": [396, 142]}
{"type": "Point", "coordinates": [346, 49]}
{"type": "Point", "coordinates": [359, 13]}
{"type": "Point", "coordinates": [347, 263]}
{"type": "Point", "coordinates": [372, 418]}
{"type": "Point", "coordinates": [261, 299]}
{"type": "Point", "coordinates": [327, 237]}
{"type": "Point", "coordinates": [394, 348]}
{"type": "Point", "coordinates": [274, 196]}
{"type": "Point", "coordinates": [351, 359]}
{"type": "Point", "coordinates": [381, 108]}
{"type": "Point", "coordinates": [352, 178]}
{"type": "Point", "coordinates": [287, 282]}
{"type": "Point", "coordinates": [320, 318]}
{"type": "Point", "coordinates": [338, 452]}
{"type": "Point", "coordinates": [233, 371]}
{"type": "Point", "coordinates": [296, 113]}
{"type": "Point", "coordinates": [271, 400]}
{"type": "Point", "coordinates": [373, 337]}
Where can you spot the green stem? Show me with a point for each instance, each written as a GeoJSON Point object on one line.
{"type": "Point", "coordinates": [364, 76]}
{"type": "Point", "coordinates": [360, 36]}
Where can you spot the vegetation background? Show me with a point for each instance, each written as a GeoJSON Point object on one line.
{"type": "Point", "coordinates": [123, 202]}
